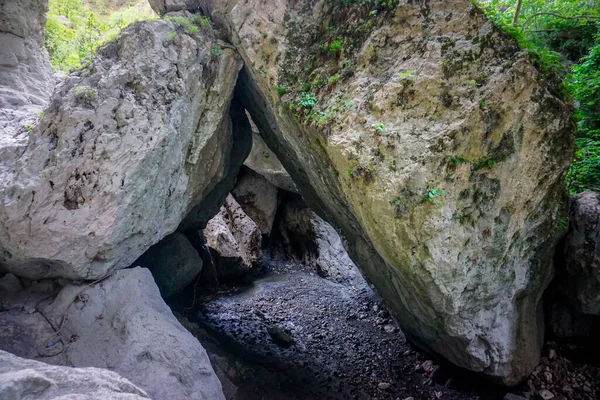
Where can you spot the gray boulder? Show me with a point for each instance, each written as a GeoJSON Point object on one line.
{"type": "Point", "coordinates": [435, 144]}
{"type": "Point", "coordinates": [234, 241]}
{"type": "Point", "coordinates": [174, 263]}
{"type": "Point", "coordinates": [34, 380]}
{"type": "Point", "coordinates": [265, 163]}
{"type": "Point", "coordinates": [26, 81]}
{"type": "Point", "coordinates": [258, 198]}
{"type": "Point", "coordinates": [162, 7]}
{"type": "Point", "coordinates": [128, 147]}
{"type": "Point", "coordinates": [120, 323]}
{"type": "Point", "coordinates": [582, 255]}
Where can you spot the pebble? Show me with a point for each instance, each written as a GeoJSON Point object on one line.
{"type": "Point", "coordinates": [545, 394]}
{"type": "Point", "coordinates": [383, 385]}
{"type": "Point", "coordinates": [409, 398]}
{"type": "Point", "coordinates": [552, 354]}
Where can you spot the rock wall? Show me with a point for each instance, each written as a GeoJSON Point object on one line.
{"type": "Point", "coordinates": [126, 149]}
{"type": "Point", "coordinates": [435, 144]}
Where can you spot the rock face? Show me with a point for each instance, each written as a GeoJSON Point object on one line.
{"type": "Point", "coordinates": [127, 147]}
{"type": "Point", "coordinates": [235, 240]}
{"type": "Point", "coordinates": [317, 243]}
{"type": "Point", "coordinates": [28, 379]}
{"type": "Point", "coordinates": [582, 254]}
{"type": "Point", "coordinates": [121, 324]}
{"type": "Point", "coordinates": [26, 81]}
{"type": "Point", "coordinates": [174, 263]}
{"type": "Point", "coordinates": [264, 162]}
{"type": "Point", "coordinates": [435, 145]}
{"type": "Point", "coordinates": [258, 198]}
{"type": "Point", "coordinates": [164, 6]}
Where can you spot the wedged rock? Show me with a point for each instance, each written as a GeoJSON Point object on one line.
{"type": "Point", "coordinates": [234, 241]}
{"type": "Point", "coordinates": [127, 148]}
{"type": "Point", "coordinates": [264, 162]}
{"type": "Point", "coordinates": [582, 255]}
{"type": "Point", "coordinates": [120, 323]}
{"type": "Point", "coordinates": [26, 81]}
{"type": "Point", "coordinates": [162, 7]}
{"type": "Point", "coordinates": [174, 263]}
{"type": "Point", "coordinates": [29, 379]}
{"type": "Point", "coordinates": [317, 244]}
{"type": "Point", "coordinates": [434, 143]}
{"type": "Point", "coordinates": [258, 198]}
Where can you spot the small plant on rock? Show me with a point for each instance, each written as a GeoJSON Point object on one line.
{"type": "Point", "coordinates": [434, 194]}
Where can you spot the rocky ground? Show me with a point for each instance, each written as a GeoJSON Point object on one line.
{"type": "Point", "coordinates": [292, 334]}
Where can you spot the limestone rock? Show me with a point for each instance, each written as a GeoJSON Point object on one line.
{"type": "Point", "coordinates": [162, 7]}
{"type": "Point", "coordinates": [258, 198]}
{"type": "Point", "coordinates": [264, 162]}
{"type": "Point", "coordinates": [127, 148]}
{"type": "Point", "coordinates": [566, 323]}
{"type": "Point", "coordinates": [317, 243]}
{"type": "Point", "coordinates": [582, 254]}
{"type": "Point", "coordinates": [235, 240]}
{"type": "Point", "coordinates": [26, 81]}
{"type": "Point", "coordinates": [120, 323]}
{"type": "Point", "coordinates": [436, 146]}
{"type": "Point", "coordinates": [29, 379]}
{"type": "Point", "coordinates": [174, 263]}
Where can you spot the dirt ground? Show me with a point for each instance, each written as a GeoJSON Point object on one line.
{"type": "Point", "coordinates": [292, 334]}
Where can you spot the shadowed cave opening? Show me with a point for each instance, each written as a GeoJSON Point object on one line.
{"type": "Point", "coordinates": [282, 310]}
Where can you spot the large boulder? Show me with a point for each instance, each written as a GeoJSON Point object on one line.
{"type": "Point", "coordinates": [26, 80]}
{"type": "Point", "coordinates": [581, 283]}
{"type": "Point", "coordinates": [162, 7]}
{"type": "Point", "coordinates": [435, 144]}
{"type": "Point", "coordinates": [233, 240]}
{"type": "Point", "coordinates": [29, 379]}
{"type": "Point", "coordinates": [174, 263]}
{"type": "Point", "coordinates": [119, 323]}
{"type": "Point", "coordinates": [258, 198]}
{"type": "Point", "coordinates": [126, 149]}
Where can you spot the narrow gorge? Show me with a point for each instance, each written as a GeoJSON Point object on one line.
{"type": "Point", "coordinates": [244, 199]}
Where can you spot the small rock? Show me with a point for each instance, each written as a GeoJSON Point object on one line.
{"type": "Point", "coordinates": [587, 389]}
{"type": "Point", "coordinates": [389, 328]}
{"type": "Point", "coordinates": [280, 337]}
{"type": "Point", "coordinates": [548, 376]}
{"type": "Point", "coordinates": [409, 398]}
{"type": "Point", "coordinates": [428, 366]}
{"type": "Point", "coordinates": [551, 354]}
{"type": "Point", "coordinates": [513, 396]}
{"type": "Point", "coordinates": [545, 394]}
{"type": "Point", "coordinates": [383, 385]}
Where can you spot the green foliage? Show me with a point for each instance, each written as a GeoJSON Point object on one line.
{"type": "Point", "coordinates": [90, 24]}
{"type": "Point", "coordinates": [455, 160]}
{"type": "Point", "coordinates": [281, 90]}
{"type": "Point", "coordinates": [336, 46]}
{"type": "Point", "coordinates": [564, 35]}
{"type": "Point", "coordinates": [215, 50]}
{"type": "Point", "coordinates": [435, 195]}
{"type": "Point", "coordinates": [333, 79]}
{"type": "Point", "coordinates": [29, 128]}
{"type": "Point", "coordinates": [307, 100]}
{"type": "Point", "coordinates": [379, 128]}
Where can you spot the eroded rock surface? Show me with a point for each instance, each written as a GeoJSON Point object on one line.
{"type": "Point", "coordinates": [582, 254]}
{"type": "Point", "coordinates": [121, 324]}
{"type": "Point", "coordinates": [234, 241]}
{"type": "Point", "coordinates": [29, 379]}
{"type": "Point", "coordinates": [26, 81]}
{"type": "Point", "coordinates": [126, 149]}
{"type": "Point", "coordinates": [434, 143]}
